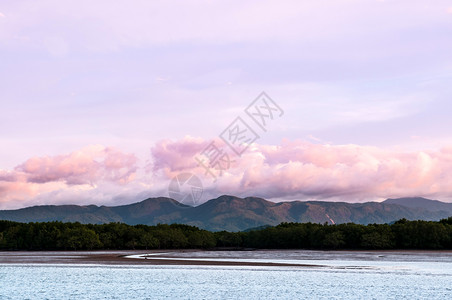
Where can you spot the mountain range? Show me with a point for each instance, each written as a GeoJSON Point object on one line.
{"type": "Point", "coordinates": [236, 214]}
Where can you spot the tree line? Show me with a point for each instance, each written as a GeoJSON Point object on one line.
{"type": "Point", "coordinates": [402, 234]}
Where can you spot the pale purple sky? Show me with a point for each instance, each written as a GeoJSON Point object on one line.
{"type": "Point", "coordinates": [90, 90]}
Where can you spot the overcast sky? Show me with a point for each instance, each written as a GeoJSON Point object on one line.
{"type": "Point", "coordinates": [104, 102]}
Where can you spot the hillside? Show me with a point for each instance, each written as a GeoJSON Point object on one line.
{"type": "Point", "coordinates": [423, 203]}
{"type": "Point", "coordinates": [236, 214]}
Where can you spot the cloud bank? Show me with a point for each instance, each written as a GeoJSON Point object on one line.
{"type": "Point", "coordinates": [294, 169]}
{"type": "Point", "coordinates": [303, 170]}
{"type": "Point", "coordinates": [83, 169]}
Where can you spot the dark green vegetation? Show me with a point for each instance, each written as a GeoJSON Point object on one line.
{"type": "Point", "coordinates": [403, 234]}
{"type": "Point", "coordinates": [236, 214]}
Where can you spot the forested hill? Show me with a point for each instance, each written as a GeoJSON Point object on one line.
{"type": "Point", "coordinates": [236, 214]}
{"type": "Point", "coordinates": [403, 234]}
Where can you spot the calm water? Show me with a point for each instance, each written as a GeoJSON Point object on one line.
{"type": "Point", "coordinates": [343, 275]}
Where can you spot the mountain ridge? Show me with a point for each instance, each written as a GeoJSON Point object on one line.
{"type": "Point", "coordinates": [420, 202]}
{"type": "Point", "coordinates": [232, 213]}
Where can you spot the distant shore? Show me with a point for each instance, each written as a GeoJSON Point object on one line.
{"type": "Point", "coordinates": [117, 258]}
{"type": "Point", "coordinates": [174, 257]}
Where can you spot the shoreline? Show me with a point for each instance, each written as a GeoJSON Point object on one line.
{"type": "Point", "coordinates": [161, 257]}
{"type": "Point", "coordinates": [121, 258]}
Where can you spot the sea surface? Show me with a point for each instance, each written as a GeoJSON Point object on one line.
{"type": "Point", "coordinates": [327, 275]}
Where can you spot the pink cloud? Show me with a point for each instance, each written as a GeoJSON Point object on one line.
{"type": "Point", "coordinates": [173, 156]}
{"type": "Point", "coordinates": [11, 190]}
{"type": "Point", "coordinates": [90, 166]}
{"type": "Point", "coordinates": [291, 170]}
{"type": "Point", "coordinates": [303, 170]}
{"type": "Point", "coordinates": [85, 166]}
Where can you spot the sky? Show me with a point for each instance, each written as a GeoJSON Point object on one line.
{"type": "Point", "coordinates": [106, 102]}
